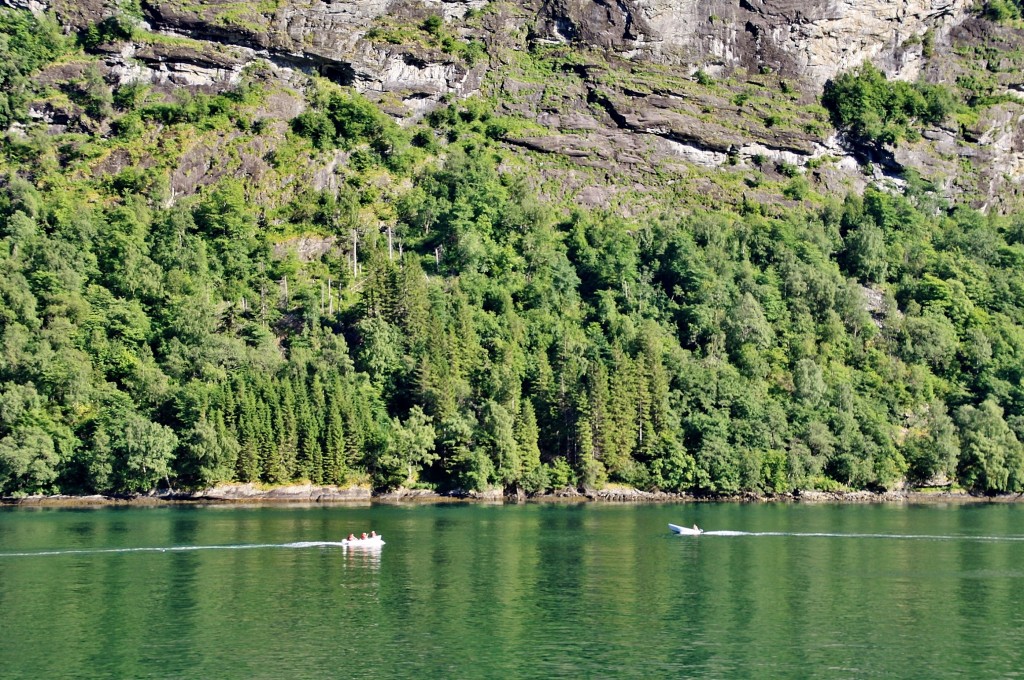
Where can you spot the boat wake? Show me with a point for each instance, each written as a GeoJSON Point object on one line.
{"type": "Point", "coordinates": [175, 548]}
{"type": "Point", "coordinates": [901, 537]}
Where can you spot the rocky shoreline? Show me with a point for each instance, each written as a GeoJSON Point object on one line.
{"type": "Point", "coordinates": [310, 493]}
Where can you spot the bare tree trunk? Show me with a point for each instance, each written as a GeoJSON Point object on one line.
{"type": "Point", "coordinates": [355, 255]}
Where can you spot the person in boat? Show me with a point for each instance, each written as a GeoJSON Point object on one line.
{"type": "Point", "coordinates": [351, 537]}
{"type": "Point", "coordinates": [696, 529]}
{"type": "Point", "coordinates": [363, 537]}
{"type": "Point", "coordinates": [373, 534]}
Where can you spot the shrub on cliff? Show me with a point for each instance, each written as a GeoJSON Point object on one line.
{"type": "Point", "coordinates": [27, 43]}
{"type": "Point", "coordinates": [874, 109]}
{"type": "Point", "coordinates": [348, 120]}
{"type": "Point", "coordinates": [1003, 10]}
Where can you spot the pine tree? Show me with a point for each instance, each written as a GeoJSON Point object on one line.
{"type": "Point", "coordinates": [286, 431]}
{"type": "Point", "coordinates": [273, 469]}
{"type": "Point", "coordinates": [248, 464]}
{"type": "Point", "coordinates": [601, 424]}
{"type": "Point", "coordinates": [318, 408]}
{"type": "Point", "coordinates": [228, 446]}
{"type": "Point", "coordinates": [355, 436]}
{"type": "Point", "coordinates": [334, 435]}
{"type": "Point", "coordinates": [305, 431]}
{"type": "Point", "coordinates": [412, 306]}
{"type": "Point", "coordinates": [499, 438]}
{"type": "Point", "coordinates": [623, 408]}
{"type": "Point", "coordinates": [527, 435]}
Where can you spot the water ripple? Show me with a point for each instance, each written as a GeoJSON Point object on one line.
{"type": "Point", "coordinates": [177, 548]}
{"type": "Point", "coordinates": [908, 537]}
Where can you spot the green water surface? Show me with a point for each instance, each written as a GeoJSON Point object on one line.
{"type": "Point", "coordinates": [536, 590]}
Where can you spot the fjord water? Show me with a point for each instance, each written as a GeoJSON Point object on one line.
{"type": "Point", "coordinates": [536, 590]}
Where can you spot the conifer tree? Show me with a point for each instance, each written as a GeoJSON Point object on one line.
{"type": "Point", "coordinates": [248, 463]}
{"type": "Point", "coordinates": [527, 436]}
{"type": "Point", "coordinates": [334, 435]}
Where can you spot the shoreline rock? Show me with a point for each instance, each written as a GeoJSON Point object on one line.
{"type": "Point", "coordinates": [305, 493]}
{"type": "Point", "coordinates": [309, 493]}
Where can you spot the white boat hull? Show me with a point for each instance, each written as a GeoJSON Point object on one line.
{"type": "Point", "coordinates": [685, 531]}
{"type": "Point", "coordinates": [371, 542]}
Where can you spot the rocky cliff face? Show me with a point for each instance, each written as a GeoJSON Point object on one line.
{"type": "Point", "coordinates": [327, 38]}
{"type": "Point", "coordinates": [809, 39]}
{"type": "Point", "coordinates": [628, 104]}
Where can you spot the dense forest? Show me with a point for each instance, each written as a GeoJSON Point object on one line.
{"type": "Point", "coordinates": [453, 327]}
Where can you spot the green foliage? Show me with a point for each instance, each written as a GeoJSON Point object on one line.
{"type": "Point", "coordinates": [27, 43]}
{"type": "Point", "coordinates": [874, 109]}
{"type": "Point", "coordinates": [34, 41]}
{"type": "Point", "coordinates": [141, 451]}
{"type": "Point", "coordinates": [560, 475]}
{"type": "Point", "coordinates": [1002, 10]}
{"type": "Point", "coordinates": [349, 121]}
{"type": "Point", "coordinates": [429, 33]}
{"type": "Point", "coordinates": [787, 169]}
{"type": "Point", "coordinates": [203, 110]}
{"type": "Point", "coordinates": [797, 188]}
{"type": "Point", "coordinates": [96, 96]}
{"type": "Point", "coordinates": [933, 446]}
{"type": "Point", "coordinates": [992, 458]}
{"type": "Point", "coordinates": [116, 28]}
{"type": "Point", "coordinates": [411, 448]}
{"type": "Point", "coordinates": [318, 127]}
{"type": "Point", "coordinates": [457, 331]}
{"type": "Point", "coordinates": [433, 24]}
{"type": "Point", "coordinates": [129, 97]}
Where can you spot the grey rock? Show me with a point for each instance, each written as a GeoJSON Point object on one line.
{"type": "Point", "coordinates": [306, 248]}
{"type": "Point", "coordinates": [811, 39]}
{"type": "Point", "coordinates": [294, 492]}
{"type": "Point", "coordinates": [34, 6]}
{"type": "Point", "coordinates": [603, 123]}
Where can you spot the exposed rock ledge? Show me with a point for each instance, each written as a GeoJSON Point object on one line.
{"type": "Point", "coordinates": [303, 493]}
{"type": "Point", "coordinates": [294, 492]}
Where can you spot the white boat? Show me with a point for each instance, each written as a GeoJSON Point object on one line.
{"type": "Point", "coordinates": [686, 531]}
{"type": "Point", "coordinates": [368, 542]}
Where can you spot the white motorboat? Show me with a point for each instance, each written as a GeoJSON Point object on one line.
{"type": "Point", "coordinates": [686, 531]}
{"type": "Point", "coordinates": [368, 542]}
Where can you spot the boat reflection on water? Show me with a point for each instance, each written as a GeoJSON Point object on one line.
{"type": "Point", "coordinates": [363, 557]}
{"type": "Point", "coordinates": [363, 552]}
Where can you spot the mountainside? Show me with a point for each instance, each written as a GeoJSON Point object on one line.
{"type": "Point", "coordinates": [622, 96]}
{"type": "Point", "coordinates": [693, 246]}
{"type": "Point", "coordinates": [809, 40]}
